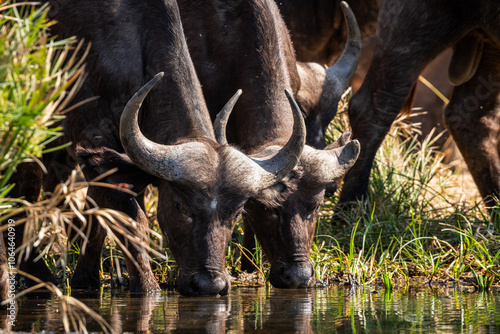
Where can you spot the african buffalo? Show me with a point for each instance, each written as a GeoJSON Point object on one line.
{"type": "Point", "coordinates": [168, 142]}
{"type": "Point", "coordinates": [317, 29]}
{"type": "Point", "coordinates": [409, 35]}
{"type": "Point", "coordinates": [318, 35]}
{"type": "Point", "coordinates": [246, 44]}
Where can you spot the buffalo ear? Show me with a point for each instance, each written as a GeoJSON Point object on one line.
{"type": "Point", "coordinates": [342, 140]}
{"type": "Point", "coordinates": [97, 161]}
{"type": "Point", "coordinates": [467, 54]}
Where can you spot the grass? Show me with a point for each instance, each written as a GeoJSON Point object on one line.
{"type": "Point", "coordinates": [38, 78]}
{"type": "Point", "coordinates": [416, 225]}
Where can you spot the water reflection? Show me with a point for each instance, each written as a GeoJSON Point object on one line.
{"type": "Point", "coordinates": [271, 311]}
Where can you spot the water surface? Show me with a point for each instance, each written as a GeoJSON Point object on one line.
{"type": "Point", "coordinates": [333, 310]}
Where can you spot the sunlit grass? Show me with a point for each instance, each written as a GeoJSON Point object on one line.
{"type": "Point", "coordinates": [38, 78]}
{"type": "Point", "coordinates": [419, 220]}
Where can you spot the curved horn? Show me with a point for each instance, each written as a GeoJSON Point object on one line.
{"type": "Point", "coordinates": [220, 122]}
{"type": "Point", "coordinates": [279, 165]}
{"type": "Point", "coordinates": [344, 67]}
{"type": "Point", "coordinates": [160, 160]}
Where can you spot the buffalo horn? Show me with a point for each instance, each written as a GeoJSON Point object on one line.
{"type": "Point", "coordinates": [344, 67]}
{"type": "Point", "coordinates": [279, 165]}
{"type": "Point", "coordinates": [222, 117]}
{"type": "Point", "coordinates": [163, 161]}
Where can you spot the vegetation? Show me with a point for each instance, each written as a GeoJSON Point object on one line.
{"type": "Point", "coordinates": [421, 223]}
{"type": "Point", "coordinates": [35, 79]}
{"type": "Point", "coordinates": [38, 78]}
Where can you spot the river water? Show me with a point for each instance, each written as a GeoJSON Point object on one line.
{"type": "Point", "coordinates": [249, 310]}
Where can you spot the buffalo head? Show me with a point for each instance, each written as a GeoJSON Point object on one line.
{"type": "Point", "coordinates": [202, 187]}
{"type": "Point", "coordinates": [320, 109]}
{"type": "Point", "coordinates": [286, 231]}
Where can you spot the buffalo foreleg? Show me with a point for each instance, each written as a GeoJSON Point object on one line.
{"type": "Point", "coordinates": [405, 45]}
{"type": "Point", "coordinates": [141, 277]}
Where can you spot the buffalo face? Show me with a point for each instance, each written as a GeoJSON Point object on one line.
{"type": "Point", "coordinates": [198, 223]}
{"type": "Point", "coordinates": [286, 230]}
{"type": "Point", "coordinates": [331, 83]}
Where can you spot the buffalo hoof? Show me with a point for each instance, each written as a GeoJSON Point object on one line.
{"type": "Point", "coordinates": [292, 275]}
{"type": "Point", "coordinates": [207, 283]}
{"type": "Point", "coordinates": [39, 270]}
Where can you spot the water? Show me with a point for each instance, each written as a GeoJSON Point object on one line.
{"type": "Point", "coordinates": [335, 310]}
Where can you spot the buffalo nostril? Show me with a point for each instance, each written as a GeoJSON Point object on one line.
{"type": "Point", "coordinates": [292, 275]}
{"type": "Point", "coordinates": [209, 284]}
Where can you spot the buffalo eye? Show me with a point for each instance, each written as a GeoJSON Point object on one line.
{"type": "Point", "coordinates": [179, 208]}
{"type": "Point", "coordinates": [313, 207]}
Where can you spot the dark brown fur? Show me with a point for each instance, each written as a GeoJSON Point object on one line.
{"type": "Point", "coordinates": [407, 42]}
{"type": "Point", "coordinates": [131, 41]}
{"type": "Point", "coordinates": [318, 35]}
{"type": "Point", "coordinates": [245, 44]}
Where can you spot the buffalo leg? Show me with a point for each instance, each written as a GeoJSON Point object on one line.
{"type": "Point", "coordinates": [86, 273]}
{"type": "Point", "coordinates": [28, 183]}
{"type": "Point", "coordinates": [473, 119]}
{"type": "Point", "coordinates": [404, 48]}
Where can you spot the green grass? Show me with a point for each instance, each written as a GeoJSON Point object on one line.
{"type": "Point", "coordinates": [420, 223]}
{"type": "Point", "coordinates": [37, 81]}
{"type": "Point", "coordinates": [415, 227]}
{"type": "Point", "coordinates": [414, 224]}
